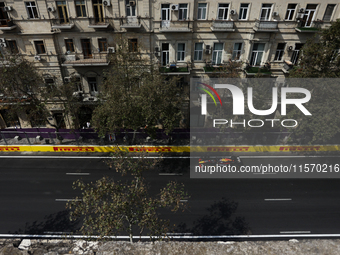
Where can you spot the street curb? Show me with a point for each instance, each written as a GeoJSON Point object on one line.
{"type": "Point", "coordinates": [167, 149]}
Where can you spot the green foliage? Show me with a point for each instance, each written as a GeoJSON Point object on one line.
{"type": "Point", "coordinates": [109, 207]}
{"type": "Point", "coordinates": [320, 59]}
{"type": "Point", "coordinates": [136, 95]}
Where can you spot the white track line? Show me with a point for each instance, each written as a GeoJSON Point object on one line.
{"type": "Point", "coordinates": [67, 200]}
{"type": "Point", "coordinates": [165, 174]}
{"type": "Point", "coordinates": [278, 199]}
{"type": "Point", "coordinates": [77, 173]}
{"type": "Point", "coordinates": [176, 237]}
{"type": "Point", "coordinates": [294, 232]}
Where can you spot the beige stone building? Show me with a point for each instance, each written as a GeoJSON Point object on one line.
{"type": "Point", "coordinates": [73, 38]}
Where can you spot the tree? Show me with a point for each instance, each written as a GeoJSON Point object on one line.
{"type": "Point", "coordinates": [136, 95]}
{"type": "Point", "coordinates": [23, 88]}
{"type": "Point", "coordinates": [319, 59]}
{"type": "Point", "coordinates": [109, 207]}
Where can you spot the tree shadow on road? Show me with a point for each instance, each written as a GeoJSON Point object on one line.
{"type": "Point", "coordinates": [56, 223]}
{"type": "Point", "coordinates": [220, 220]}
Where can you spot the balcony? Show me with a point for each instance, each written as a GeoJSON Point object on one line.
{"type": "Point", "coordinates": [315, 26]}
{"type": "Point", "coordinates": [7, 24]}
{"type": "Point", "coordinates": [130, 22]}
{"type": "Point", "coordinates": [266, 26]}
{"type": "Point", "coordinates": [78, 59]}
{"type": "Point", "coordinates": [98, 23]}
{"type": "Point", "coordinates": [287, 66]}
{"type": "Point", "coordinates": [175, 26]}
{"type": "Point", "coordinates": [256, 70]}
{"type": "Point", "coordinates": [222, 26]}
{"type": "Point", "coordinates": [175, 69]}
{"type": "Point", "coordinates": [62, 23]}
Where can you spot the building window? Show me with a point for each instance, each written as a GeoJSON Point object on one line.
{"type": "Point", "coordinates": [296, 53]}
{"type": "Point", "coordinates": [183, 12]}
{"type": "Point", "coordinates": [290, 12]}
{"type": "Point", "coordinates": [308, 17]}
{"type": "Point", "coordinates": [237, 51]}
{"type": "Point", "coordinates": [49, 83]}
{"type": "Point", "coordinates": [165, 12]}
{"type": "Point", "coordinates": [133, 45]}
{"type": "Point", "coordinates": [329, 12]}
{"type": "Point", "coordinates": [243, 15]}
{"type": "Point", "coordinates": [165, 54]}
{"type": "Point", "coordinates": [77, 83]}
{"type": "Point", "coordinates": [69, 45]}
{"type": "Point", "coordinates": [92, 84]}
{"type": "Point", "coordinates": [202, 11]}
{"type": "Point", "coordinates": [81, 8]}
{"type": "Point", "coordinates": [198, 54]}
{"type": "Point", "coordinates": [39, 46]}
{"type": "Point", "coordinates": [279, 51]}
{"type": "Point", "coordinates": [130, 8]}
{"type": "Point", "coordinates": [62, 11]}
{"type": "Point", "coordinates": [12, 45]}
{"type": "Point", "coordinates": [257, 54]}
{"type": "Point", "coordinates": [98, 10]}
{"type": "Point", "coordinates": [86, 46]}
{"type": "Point", "coordinates": [102, 43]}
{"type": "Point", "coordinates": [217, 54]}
{"type": "Point", "coordinates": [180, 52]}
{"type": "Point", "coordinates": [32, 10]}
{"type": "Point", "coordinates": [265, 11]}
{"type": "Point", "coordinates": [222, 11]}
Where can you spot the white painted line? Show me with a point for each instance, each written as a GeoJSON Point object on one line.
{"type": "Point", "coordinates": [175, 237]}
{"type": "Point", "coordinates": [170, 174]}
{"type": "Point", "coordinates": [278, 199]}
{"type": "Point", "coordinates": [58, 233]}
{"type": "Point", "coordinates": [77, 173]}
{"type": "Point", "coordinates": [67, 200]}
{"type": "Point", "coordinates": [294, 232]}
{"type": "Point", "coordinates": [179, 234]}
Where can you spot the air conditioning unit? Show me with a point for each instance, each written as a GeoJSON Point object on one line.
{"type": "Point", "coordinates": [3, 45]}
{"type": "Point", "coordinates": [7, 8]}
{"type": "Point", "coordinates": [77, 94]}
{"type": "Point", "coordinates": [275, 13]}
{"type": "Point", "coordinates": [290, 48]}
{"type": "Point", "coordinates": [158, 53]}
{"type": "Point", "coordinates": [2, 40]}
{"type": "Point", "coordinates": [174, 7]}
{"type": "Point", "coordinates": [91, 99]}
{"type": "Point", "coordinates": [70, 57]}
{"type": "Point", "coordinates": [106, 3]}
{"type": "Point", "coordinates": [67, 79]}
{"type": "Point", "coordinates": [132, 3]}
{"type": "Point", "coordinates": [37, 58]}
{"type": "Point", "coordinates": [232, 12]}
{"type": "Point", "coordinates": [207, 49]}
{"type": "Point", "coordinates": [157, 49]}
{"type": "Point", "coordinates": [68, 52]}
{"type": "Point", "coordinates": [300, 15]}
{"type": "Point", "coordinates": [111, 49]}
{"type": "Point", "coordinates": [302, 10]}
{"type": "Point", "coordinates": [50, 9]}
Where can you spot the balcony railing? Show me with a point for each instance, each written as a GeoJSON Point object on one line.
{"type": "Point", "coordinates": [315, 26]}
{"type": "Point", "coordinates": [222, 26]}
{"type": "Point", "coordinates": [175, 26]}
{"type": "Point", "coordinates": [7, 24]}
{"type": "Point", "coordinates": [79, 59]}
{"type": "Point", "coordinates": [175, 69]}
{"type": "Point", "coordinates": [99, 22]}
{"type": "Point", "coordinates": [62, 23]}
{"type": "Point", "coordinates": [130, 22]}
{"type": "Point", "coordinates": [266, 26]}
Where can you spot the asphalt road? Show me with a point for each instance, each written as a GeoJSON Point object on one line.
{"type": "Point", "coordinates": [33, 193]}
